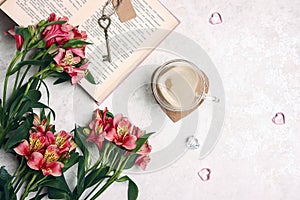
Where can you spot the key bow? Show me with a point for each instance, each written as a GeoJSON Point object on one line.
{"type": "Point", "coordinates": [104, 22]}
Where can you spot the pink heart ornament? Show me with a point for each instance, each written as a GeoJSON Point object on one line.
{"type": "Point", "coordinates": [215, 18]}
{"type": "Point", "coordinates": [278, 119]}
{"type": "Point", "coordinates": [204, 174]}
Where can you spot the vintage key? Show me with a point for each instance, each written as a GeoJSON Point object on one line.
{"type": "Point", "coordinates": [104, 22]}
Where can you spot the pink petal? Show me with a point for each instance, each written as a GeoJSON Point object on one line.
{"type": "Point", "coordinates": [110, 135]}
{"type": "Point", "coordinates": [129, 142]}
{"type": "Point", "coordinates": [79, 52]}
{"type": "Point", "coordinates": [215, 18]}
{"type": "Point", "coordinates": [77, 76]}
{"type": "Point", "coordinates": [125, 123]}
{"type": "Point", "coordinates": [35, 160]}
{"type": "Point", "coordinates": [76, 59]}
{"type": "Point", "coordinates": [117, 119]}
{"type": "Point", "coordinates": [204, 174]}
{"type": "Point", "coordinates": [142, 161]}
{"type": "Point", "coordinates": [23, 148]}
{"type": "Point", "coordinates": [50, 138]}
{"type": "Point", "coordinates": [279, 118]}
{"type": "Point", "coordinates": [53, 168]}
{"type": "Point", "coordinates": [137, 132]}
{"type": "Point", "coordinates": [145, 149]}
{"type": "Point", "coordinates": [95, 138]}
{"type": "Point", "coordinates": [11, 32]}
{"type": "Point", "coordinates": [59, 56]}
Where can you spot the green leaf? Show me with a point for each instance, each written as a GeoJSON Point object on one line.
{"type": "Point", "coordinates": [54, 193]}
{"type": "Point", "coordinates": [142, 140]}
{"type": "Point", "coordinates": [54, 22]}
{"type": "Point", "coordinates": [77, 137]}
{"type": "Point", "coordinates": [131, 161]}
{"type": "Point", "coordinates": [132, 191]}
{"type": "Point", "coordinates": [90, 78]}
{"type": "Point", "coordinates": [41, 105]}
{"type": "Point", "coordinates": [5, 179]}
{"type": "Point", "coordinates": [47, 90]}
{"type": "Point", "coordinates": [42, 63]}
{"type": "Point", "coordinates": [19, 134]}
{"type": "Point", "coordinates": [4, 176]}
{"type": "Point", "coordinates": [44, 24]}
{"type": "Point", "coordinates": [80, 176]}
{"type": "Point", "coordinates": [24, 108]}
{"type": "Point", "coordinates": [62, 77]}
{"type": "Point", "coordinates": [109, 114]}
{"type": "Point", "coordinates": [71, 161]}
{"type": "Point", "coordinates": [34, 95]}
{"type": "Point", "coordinates": [75, 42]}
{"type": "Point", "coordinates": [95, 176]}
{"type": "Point", "coordinates": [58, 183]}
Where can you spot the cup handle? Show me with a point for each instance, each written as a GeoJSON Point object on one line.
{"type": "Point", "coordinates": [211, 98]}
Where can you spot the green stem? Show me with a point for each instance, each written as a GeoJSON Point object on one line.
{"type": "Point", "coordinates": [108, 155]}
{"type": "Point", "coordinates": [23, 76]}
{"type": "Point", "coordinates": [19, 71]}
{"type": "Point", "coordinates": [27, 190]}
{"type": "Point", "coordinates": [110, 181]}
{"type": "Point", "coordinates": [28, 87]}
{"type": "Point", "coordinates": [13, 62]}
{"type": "Point", "coordinates": [113, 162]}
{"type": "Point", "coordinates": [99, 183]}
{"type": "Point", "coordinates": [20, 183]}
{"type": "Point", "coordinates": [18, 172]}
{"type": "Point", "coordinates": [2, 135]}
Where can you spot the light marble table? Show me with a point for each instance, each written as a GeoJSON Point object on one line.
{"type": "Point", "coordinates": [256, 51]}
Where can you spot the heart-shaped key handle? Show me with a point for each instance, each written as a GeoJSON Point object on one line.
{"type": "Point", "coordinates": [104, 22]}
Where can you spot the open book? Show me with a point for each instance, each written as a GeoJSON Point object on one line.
{"type": "Point", "coordinates": [130, 42]}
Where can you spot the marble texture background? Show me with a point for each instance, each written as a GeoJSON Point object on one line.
{"type": "Point", "coordinates": [257, 53]}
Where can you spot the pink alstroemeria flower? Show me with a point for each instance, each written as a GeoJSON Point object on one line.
{"type": "Point", "coordinates": [67, 59]}
{"type": "Point", "coordinates": [48, 162]}
{"type": "Point", "coordinates": [100, 126]}
{"type": "Point", "coordinates": [142, 161]}
{"type": "Point", "coordinates": [19, 39]}
{"type": "Point", "coordinates": [122, 137]}
{"type": "Point", "coordinates": [57, 33]}
{"type": "Point", "coordinates": [36, 143]}
{"type": "Point", "coordinates": [146, 148]}
{"type": "Point", "coordinates": [63, 141]}
{"type": "Point", "coordinates": [61, 33]}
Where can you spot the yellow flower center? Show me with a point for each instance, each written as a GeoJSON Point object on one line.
{"type": "Point", "coordinates": [69, 59]}
{"type": "Point", "coordinates": [51, 156]}
{"type": "Point", "coordinates": [35, 144]}
{"type": "Point", "coordinates": [122, 130]}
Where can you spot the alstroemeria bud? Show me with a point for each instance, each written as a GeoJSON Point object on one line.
{"type": "Point", "coordinates": [41, 44]}
{"type": "Point", "coordinates": [41, 23]}
{"type": "Point", "coordinates": [59, 69]}
{"type": "Point", "coordinates": [86, 131]}
{"type": "Point", "coordinates": [19, 39]}
{"type": "Point", "coordinates": [31, 30]}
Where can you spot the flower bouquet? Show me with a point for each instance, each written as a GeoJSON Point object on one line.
{"type": "Point", "coordinates": [54, 48]}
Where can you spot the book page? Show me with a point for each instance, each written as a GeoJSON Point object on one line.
{"type": "Point", "coordinates": [26, 12]}
{"type": "Point", "coordinates": [130, 42]}
{"type": "Point", "coordinates": [1, 1]}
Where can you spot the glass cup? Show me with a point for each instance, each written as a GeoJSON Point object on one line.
{"type": "Point", "coordinates": [179, 86]}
